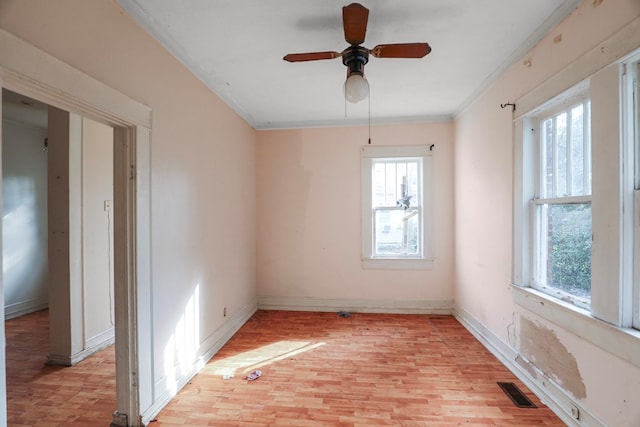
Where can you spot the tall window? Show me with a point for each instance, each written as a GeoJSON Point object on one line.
{"type": "Point", "coordinates": [395, 196]}
{"type": "Point", "coordinates": [562, 140]}
{"type": "Point", "coordinates": [561, 208]}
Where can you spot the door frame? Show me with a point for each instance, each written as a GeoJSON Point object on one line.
{"type": "Point", "coordinates": [31, 72]}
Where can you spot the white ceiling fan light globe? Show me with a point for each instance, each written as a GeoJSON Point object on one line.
{"type": "Point", "coordinates": [356, 88]}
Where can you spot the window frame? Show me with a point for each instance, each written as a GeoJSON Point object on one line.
{"type": "Point", "coordinates": [607, 326]}
{"type": "Point", "coordinates": [369, 154]}
{"type": "Point", "coordinates": [539, 200]}
{"type": "Point", "coordinates": [631, 135]}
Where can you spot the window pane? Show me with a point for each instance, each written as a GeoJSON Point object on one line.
{"type": "Point", "coordinates": [390, 185]}
{"type": "Point", "coordinates": [547, 158]}
{"type": "Point", "coordinates": [401, 178]}
{"type": "Point", "coordinates": [378, 184]}
{"type": "Point", "coordinates": [561, 155]}
{"type": "Point", "coordinates": [578, 172]}
{"type": "Point", "coordinates": [568, 248]}
{"type": "Point", "coordinates": [396, 232]}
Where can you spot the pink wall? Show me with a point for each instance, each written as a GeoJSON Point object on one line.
{"type": "Point", "coordinates": [484, 195]}
{"type": "Point", "coordinates": [309, 207]}
{"type": "Point", "coordinates": [202, 163]}
{"type": "Point", "coordinates": [209, 178]}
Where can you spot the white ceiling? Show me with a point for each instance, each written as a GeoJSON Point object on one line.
{"type": "Point", "coordinates": [20, 108]}
{"type": "Point", "coordinates": [236, 47]}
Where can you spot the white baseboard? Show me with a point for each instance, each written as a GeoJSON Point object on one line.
{"type": "Point", "coordinates": [107, 337]}
{"type": "Point", "coordinates": [211, 346]}
{"type": "Point", "coordinates": [355, 305]}
{"type": "Point", "coordinates": [552, 395]}
{"type": "Point", "coordinates": [25, 307]}
{"type": "Point", "coordinates": [94, 345]}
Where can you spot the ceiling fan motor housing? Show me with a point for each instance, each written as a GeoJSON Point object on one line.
{"type": "Point", "coordinates": [355, 57]}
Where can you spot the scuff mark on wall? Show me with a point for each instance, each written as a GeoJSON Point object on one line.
{"type": "Point", "coordinates": [527, 366]}
{"type": "Point", "coordinates": [512, 331]}
{"type": "Point", "coordinates": [540, 346]}
{"type": "Point", "coordinates": [596, 3]}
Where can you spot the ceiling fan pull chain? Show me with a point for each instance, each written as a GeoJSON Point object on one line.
{"type": "Point", "coordinates": [345, 107]}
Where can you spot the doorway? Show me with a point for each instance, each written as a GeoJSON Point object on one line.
{"type": "Point", "coordinates": [21, 71]}
{"type": "Point", "coordinates": [57, 233]}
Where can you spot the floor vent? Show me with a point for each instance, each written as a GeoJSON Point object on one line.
{"type": "Point", "coordinates": [514, 393]}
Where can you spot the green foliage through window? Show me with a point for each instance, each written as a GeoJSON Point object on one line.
{"type": "Point", "coordinates": [569, 248]}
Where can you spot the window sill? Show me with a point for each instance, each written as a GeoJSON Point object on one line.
{"type": "Point", "coordinates": [397, 264]}
{"type": "Point", "coordinates": [621, 342]}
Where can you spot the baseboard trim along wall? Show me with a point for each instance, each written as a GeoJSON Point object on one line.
{"type": "Point", "coordinates": [21, 308]}
{"type": "Point", "coordinates": [549, 392]}
{"type": "Point", "coordinates": [355, 305]}
{"type": "Point", "coordinates": [93, 345]}
{"type": "Point", "coordinates": [211, 345]}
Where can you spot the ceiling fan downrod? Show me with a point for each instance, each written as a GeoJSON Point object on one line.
{"type": "Point", "coordinates": [355, 58]}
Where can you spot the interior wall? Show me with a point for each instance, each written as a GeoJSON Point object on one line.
{"type": "Point", "coordinates": [203, 187]}
{"type": "Point", "coordinates": [309, 237]}
{"type": "Point", "coordinates": [24, 217]}
{"type": "Point", "coordinates": [601, 382]}
{"type": "Point", "coordinates": [97, 232]}
{"type": "Point", "coordinates": [66, 314]}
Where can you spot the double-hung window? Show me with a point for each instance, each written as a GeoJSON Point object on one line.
{"type": "Point", "coordinates": [561, 206]}
{"type": "Point", "coordinates": [396, 193]}
{"type": "Point", "coordinates": [577, 202]}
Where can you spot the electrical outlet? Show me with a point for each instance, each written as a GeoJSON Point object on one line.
{"type": "Point", "coordinates": [224, 312]}
{"type": "Point", "coordinates": [575, 412]}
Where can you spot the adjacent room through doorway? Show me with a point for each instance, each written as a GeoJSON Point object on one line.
{"type": "Point", "coordinates": [58, 272]}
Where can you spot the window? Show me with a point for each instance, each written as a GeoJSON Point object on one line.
{"type": "Point", "coordinates": [576, 209]}
{"type": "Point", "coordinates": [561, 206]}
{"type": "Point", "coordinates": [396, 192]}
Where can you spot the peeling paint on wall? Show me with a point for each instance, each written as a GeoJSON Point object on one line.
{"type": "Point", "coordinates": [540, 346]}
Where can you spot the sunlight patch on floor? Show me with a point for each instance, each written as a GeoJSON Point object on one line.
{"type": "Point", "coordinates": [243, 363]}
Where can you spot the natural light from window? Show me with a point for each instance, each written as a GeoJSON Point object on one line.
{"type": "Point", "coordinates": [248, 361]}
{"type": "Point", "coordinates": [180, 353]}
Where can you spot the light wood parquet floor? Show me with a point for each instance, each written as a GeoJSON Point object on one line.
{"type": "Point", "coordinates": [47, 396]}
{"type": "Point", "coordinates": [318, 369]}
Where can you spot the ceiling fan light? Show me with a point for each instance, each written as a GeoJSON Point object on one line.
{"type": "Point", "coordinates": [356, 88]}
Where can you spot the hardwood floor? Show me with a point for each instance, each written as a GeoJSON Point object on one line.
{"type": "Point", "coordinates": [41, 395]}
{"type": "Point", "coordinates": [318, 369]}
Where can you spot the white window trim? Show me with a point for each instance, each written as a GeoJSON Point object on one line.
{"type": "Point", "coordinates": [368, 153]}
{"type": "Point", "coordinates": [636, 260]}
{"type": "Point", "coordinates": [631, 137]}
{"type": "Point", "coordinates": [578, 95]}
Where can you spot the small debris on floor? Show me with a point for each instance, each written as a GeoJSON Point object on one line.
{"type": "Point", "coordinates": [227, 376]}
{"type": "Point", "coordinates": [254, 375]}
{"type": "Point", "coordinates": [344, 314]}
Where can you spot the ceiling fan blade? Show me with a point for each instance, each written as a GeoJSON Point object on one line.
{"type": "Point", "coordinates": [401, 50]}
{"type": "Point", "coordinates": [310, 56]}
{"type": "Point", "coordinates": [354, 19]}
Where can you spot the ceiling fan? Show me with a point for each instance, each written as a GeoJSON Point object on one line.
{"type": "Point", "coordinates": [354, 18]}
